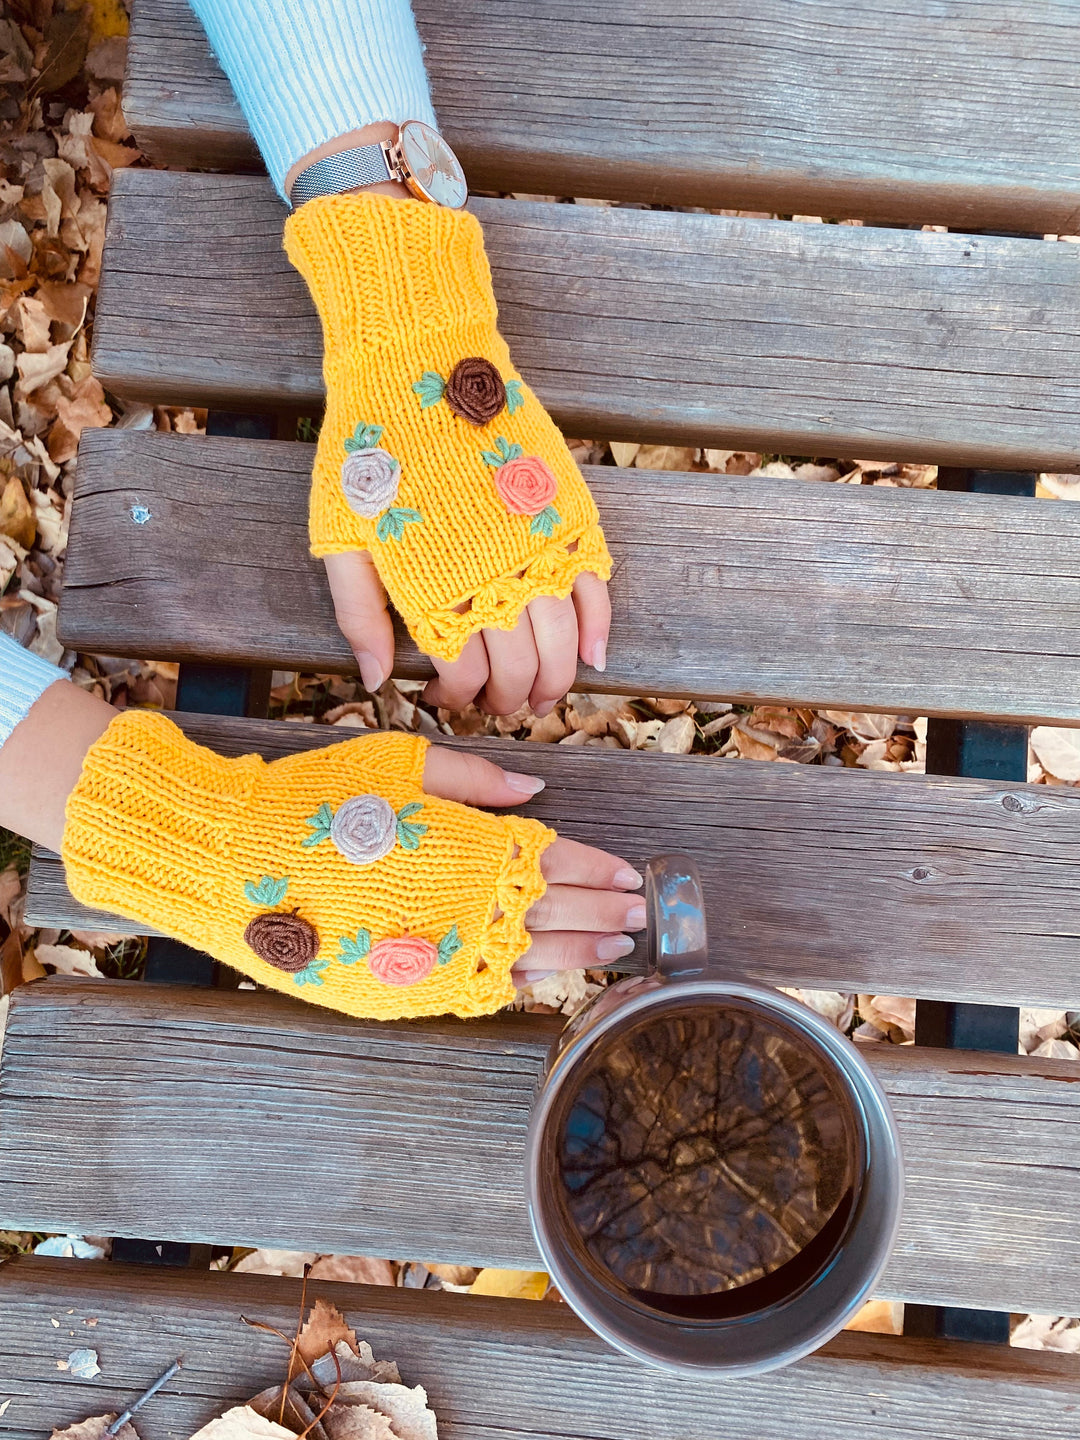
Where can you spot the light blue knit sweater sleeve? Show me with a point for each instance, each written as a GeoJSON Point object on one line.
{"type": "Point", "coordinates": [306, 71]}
{"type": "Point", "coordinates": [23, 677]}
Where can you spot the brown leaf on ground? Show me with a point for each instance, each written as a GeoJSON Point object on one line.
{"type": "Point", "coordinates": [407, 1410]}
{"type": "Point", "coordinates": [357, 1422]}
{"type": "Point", "coordinates": [862, 726]}
{"type": "Point", "coordinates": [355, 1269]}
{"type": "Point", "coordinates": [298, 1414]}
{"type": "Point", "coordinates": [66, 960]}
{"type": "Point", "coordinates": [1057, 750]}
{"type": "Point", "coordinates": [276, 1262]}
{"type": "Point", "coordinates": [665, 457]}
{"type": "Point", "coordinates": [676, 736]}
{"type": "Point", "coordinates": [623, 452]}
{"type": "Point", "coordinates": [323, 1328]}
{"type": "Point", "coordinates": [17, 514]}
{"type": "Point", "coordinates": [749, 748]}
{"type": "Point", "coordinates": [880, 1317]}
{"type": "Point", "coordinates": [95, 1428]}
{"type": "Point", "coordinates": [243, 1423]}
{"type": "Point", "coordinates": [454, 1274]}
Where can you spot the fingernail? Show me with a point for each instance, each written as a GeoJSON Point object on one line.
{"type": "Point", "coordinates": [628, 879]}
{"type": "Point", "coordinates": [613, 947]}
{"type": "Point", "coordinates": [371, 672]}
{"type": "Point", "coordinates": [524, 784]}
{"type": "Point", "coordinates": [544, 709]}
{"type": "Point", "coordinates": [599, 655]}
{"type": "Point", "coordinates": [635, 917]}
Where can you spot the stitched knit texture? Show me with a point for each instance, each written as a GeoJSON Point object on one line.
{"type": "Point", "coordinates": [455, 513]}
{"type": "Point", "coordinates": [211, 850]}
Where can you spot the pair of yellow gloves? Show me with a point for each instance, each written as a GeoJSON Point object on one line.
{"type": "Point", "coordinates": [332, 874]}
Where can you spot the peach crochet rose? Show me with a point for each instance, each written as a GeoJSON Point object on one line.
{"type": "Point", "coordinates": [526, 485]}
{"type": "Point", "coordinates": [403, 960]}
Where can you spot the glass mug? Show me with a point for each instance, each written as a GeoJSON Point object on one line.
{"type": "Point", "coordinates": [713, 1172]}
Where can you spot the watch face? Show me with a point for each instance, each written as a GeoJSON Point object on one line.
{"type": "Point", "coordinates": [433, 168]}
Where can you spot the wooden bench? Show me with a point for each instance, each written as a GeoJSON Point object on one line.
{"type": "Point", "coordinates": [137, 1110]}
{"type": "Point", "coordinates": [494, 1369]}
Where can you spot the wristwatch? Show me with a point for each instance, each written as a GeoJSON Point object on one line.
{"type": "Point", "coordinates": [418, 157]}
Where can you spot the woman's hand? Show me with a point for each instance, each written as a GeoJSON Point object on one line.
{"type": "Point", "coordinates": [534, 662]}
{"type": "Point", "coordinates": [582, 920]}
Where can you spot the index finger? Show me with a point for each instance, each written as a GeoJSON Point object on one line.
{"type": "Point", "coordinates": [566, 862]}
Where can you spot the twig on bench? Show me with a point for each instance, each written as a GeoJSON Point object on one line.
{"type": "Point", "coordinates": [337, 1386]}
{"type": "Point", "coordinates": [121, 1420]}
{"type": "Point", "coordinates": [295, 1344]}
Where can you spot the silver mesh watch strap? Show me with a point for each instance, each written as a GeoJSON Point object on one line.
{"type": "Point", "coordinates": [334, 174]}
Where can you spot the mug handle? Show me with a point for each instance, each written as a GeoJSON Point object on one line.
{"type": "Point", "coordinates": [678, 946]}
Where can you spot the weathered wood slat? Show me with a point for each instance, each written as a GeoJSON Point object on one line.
{"type": "Point", "coordinates": [961, 113]}
{"type": "Point", "coordinates": [493, 1369]}
{"type": "Point", "coordinates": [729, 587]}
{"type": "Point", "coordinates": [810, 339]}
{"type": "Point", "coordinates": [248, 1118]}
{"type": "Point", "coordinates": [936, 886]}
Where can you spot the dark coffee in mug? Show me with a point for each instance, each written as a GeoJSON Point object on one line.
{"type": "Point", "coordinates": [708, 1160]}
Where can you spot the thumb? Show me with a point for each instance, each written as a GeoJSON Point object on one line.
{"type": "Point", "coordinates": [362, 616]}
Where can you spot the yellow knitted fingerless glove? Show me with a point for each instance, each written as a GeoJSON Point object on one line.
{"type": "Point", "coordinates": [329, 874]}
{"type": "Point", "coordinates": [434, 454]}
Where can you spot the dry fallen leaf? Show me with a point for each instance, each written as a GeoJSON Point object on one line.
{"type": "Point", "coordinates": [881, 1317]}
{"type": "Point", "coordinates": [1057, 1050]}
{"type": "Point", "coordinates": [66, 960]}
{"type": "Point", "coordinates": [511, 1284]}
{"type": "Point", "coordinates": [863, 726]}
{"type": "Point", "coordinates": [95, 1428]}
{"type": "Point", "coordinates": [1058, 751]}
{"type": "Point", "coordinates": [276, 1262]}
{"type": "Point", "coordinates": [622, 452]}
{"type": "Point", "coordinates": [358, 1422]}
{"type": "Point", "coordinates": [243, 1423]}
{"type": "Point", "coordinates": [354, 1270]}
{"type": "Point", "coordinates": [676, 736]}
{"type": "Point", "coordinates": [665, 457]}
{"type": "Point", "coordinates": [323, 1329]}
{"type": "Point", "coordinates": [17, 514]}
{"type": "Point", "coordinates": [405, 1408]}
{"type": "Point", "coordinates": [83, 1364]}
{"type": "Point", "coordinates": [837, 1008]}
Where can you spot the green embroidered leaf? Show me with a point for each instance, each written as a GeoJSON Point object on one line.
{"type": "Point", "coordinates": [505, 451]}
{"type": "Point", "coordinates": [351, 950]}
{"type": "Point", "coordinates": [449, 945]}
{"type": "Point", "coordinates": [545, 522]}
{"type": "Point", "coordinates": [409, 833]}
{"type": "Point", "coordinates": [311, 974]}
{"type": "Point", "coordinates": [392, 522]}
{"type": "Point", "coordinates": [268, 891]}
{"type": "Point", "coordinates": [413, 808]}
{"type": "Point", "coordinates": [320, 824]}
{"type": "Point", "coordinates": [514, 397]}
{"type": "Point", "coordinates": [364, 437]}
{"type": "Point", "coordinates": [430, 388]}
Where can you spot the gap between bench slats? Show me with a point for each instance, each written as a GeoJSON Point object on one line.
{"type": "Point", "coordinates": [962, 114]}
{"type": "Point", "coordinates": [725, 587]}
{"type": "Point", "coordinates": [633, 324]}
{"type": "Point", "coordinates": [252, 1119]}
{"type": "Point", "coordinates": [493, 1369]}
{"type": "Point", "coordinates": [829, 878]}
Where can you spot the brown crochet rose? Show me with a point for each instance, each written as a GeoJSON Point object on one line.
{"type": "Point", "coordinates": [475, 390]}
{"type": "Point", "coordinates": [284, 941]}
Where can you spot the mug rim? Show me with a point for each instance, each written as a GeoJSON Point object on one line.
{"type": "Point", "coordinates": [875, 1215]}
